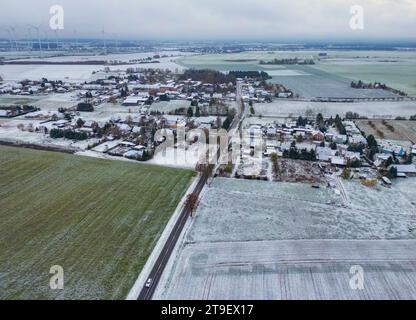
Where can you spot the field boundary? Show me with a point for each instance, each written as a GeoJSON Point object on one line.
{"type": "Point", "coordinates": [37, 147]}
{"type": "Point", "coordinates": [147, 269]}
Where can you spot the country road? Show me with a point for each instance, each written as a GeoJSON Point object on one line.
{"type": "Point", "coordinates": [158, 268]}
{"type": "Point", "coordinates": [161, 262]}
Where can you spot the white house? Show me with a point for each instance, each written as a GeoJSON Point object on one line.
{"type": "Point", "coordinates": [325, 153]}
{"type": "Point", "coordinates": [339, 161]}
{"type": "Point", "coordinates": [404, 168]}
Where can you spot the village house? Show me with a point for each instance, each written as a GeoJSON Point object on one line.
{"type": "Point", "coordinates": [340, 138]}
{"type": "Point", "coordinates": [391, 148]}
{"type": "Point", "coordinates": [404, 170]}
{"type": "Point", "coordinates": [325, 154]}
{"type": "Point", "coordinates": [338, 161]}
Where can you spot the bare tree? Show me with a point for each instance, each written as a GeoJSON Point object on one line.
{"type": "Point", "coordinates": [275, 163]}
{"type": "Point", "coordinates": [191, 203]}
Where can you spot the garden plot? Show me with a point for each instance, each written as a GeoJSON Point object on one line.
{"type": "Point", "coordinates": [403, 130]}
{"type": "Point", "coordinates": [300, 171]}
{"type": "Point", "coordinates": [170, 106]}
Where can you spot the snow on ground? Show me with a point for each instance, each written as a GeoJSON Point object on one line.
{"type": "Point", "coordinates": [286, 108]}
{"type": "Point", "coordinates": [266, 240]}
{"type": "Point", "coordinates": [283, 211]}
{"type": "Point", "coordinates": [180, 157]}
{"type": "Point", "coordinates": [273, 270]}
{"type": "Point", "coordinates": [81, 73]}
{"type": "Point", "coordinates": [9, 132]}
{"type": "Point", "coordinates": [73, 73]}
{"type": "Point", "coordinates": [286, 73]}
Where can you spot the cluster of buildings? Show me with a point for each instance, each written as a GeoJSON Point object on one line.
{"type": "Point", "coordinates": [326, 146]}
{"type": "Point", "coordinates": [29, 87]}
{"type": "Point", "coordinates": [254, 91]}
{"type": "Point", "coordinates": [329, 146]}
{"type": "Point", "coordinates": [15, 110]}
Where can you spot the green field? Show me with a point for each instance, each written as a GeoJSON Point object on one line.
{"type": "Point", "coordinates": [97, 219]}
{"type": "Point", "coordinates": [395, 68]}
{"type": "Point", "coordinates": [396, 75]}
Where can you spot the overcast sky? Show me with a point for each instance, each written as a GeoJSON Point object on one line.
{"type": "Point", "coordinates": [216, 19]}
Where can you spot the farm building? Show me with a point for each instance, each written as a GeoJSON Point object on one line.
{"type": "Point", "coordinates": [407, 169]}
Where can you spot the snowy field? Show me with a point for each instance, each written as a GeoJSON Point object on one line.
{"type": "Point", "coordinates": [292, 270]}
{"type": "Point", "coordinates": [329, 77]}
{"type": "Point", "coordinates": [73, 73]}
{"type": "Point", "coordinates": [286, 211]}
{"type": "Point", "coordinates": [81, 73]}
{"type": "Point", "coordinates": [284, 108]}
{"type": "Point", "coordinates": [49, 105]}
{"type": "Point", "coordinates": [318, 83]}
{"type": "Point", "coordinates": [264, 240]}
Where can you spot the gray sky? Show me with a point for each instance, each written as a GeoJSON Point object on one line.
{"type": "Point", "coordinates": [216, 19]}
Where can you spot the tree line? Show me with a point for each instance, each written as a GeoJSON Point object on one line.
{"type": "Point", "coordinates": [68, 134]}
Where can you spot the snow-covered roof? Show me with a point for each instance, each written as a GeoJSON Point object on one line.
{"type": "Point", "coordinates": [404, 168]}
{"type": "Point", "coordinates": [339, 161]}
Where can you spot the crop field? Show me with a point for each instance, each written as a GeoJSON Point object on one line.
{"type": "Point", "coordinates": [293, 270]}
{"type": "Point", "coordinates": [329, 77]}
{"type": "Point", "coordinates": [396, 75]}
{"type": "Point", "coordinates": [290, 211]}
{"type": "Point", "coordinates": [381, 109]}
{"type": "Point", "coordinates": [97, 219]}
{"type": "Point", "coordinates": [18, 100]}
{"type": "Point", "coordinates": [295, 242]}
{"type": "Point", "coordinates": [314, 83]}
{"type": "Point", "coordinates": [403, 130]}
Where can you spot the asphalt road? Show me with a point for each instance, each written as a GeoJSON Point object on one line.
{"type": "Point", "coordinates": [161, 262]}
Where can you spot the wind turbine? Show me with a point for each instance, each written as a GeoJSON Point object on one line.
{"type": "Point", "coordinates": [11, 31]}
{"type": "Point", "coordinates": [117, 48]}
{"type": "Point", "coordinates": [47, 39]}
{"type": "Point", "coordinates": [9, 37]}
{"type": "Point", "coordinates": [76, 41]}
{"type": "Point", "coordinates": [29, 41]}
{"type": "Point", "coordinates": [38, 33]}
{"type": "Point", "coordinates": [56, 39]}
{"type": "Point", "coordinates": [104, 42]}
